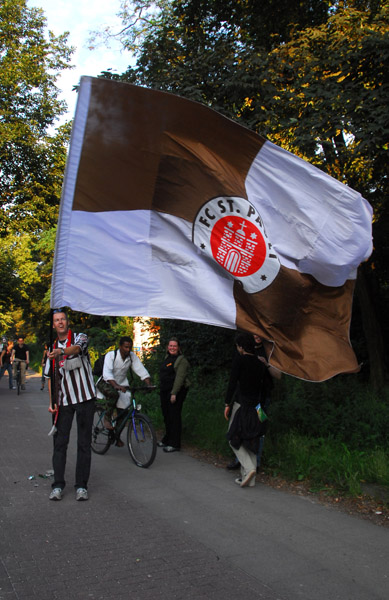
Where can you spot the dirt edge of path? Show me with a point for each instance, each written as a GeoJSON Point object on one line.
{"type": "Point", "coordinates": [365, 506]}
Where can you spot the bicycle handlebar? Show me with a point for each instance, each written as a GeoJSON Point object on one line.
{"type": "Point", "coordinates": [147, 388]}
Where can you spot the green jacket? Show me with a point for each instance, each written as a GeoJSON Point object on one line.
{"type": "Point", "coordinates": [181, 367]}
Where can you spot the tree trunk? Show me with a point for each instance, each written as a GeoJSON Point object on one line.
{"type": "Point", "coordinates": [372, 330]}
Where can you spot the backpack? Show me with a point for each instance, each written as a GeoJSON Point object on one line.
{"type": "Point", "coordinates": [99, 365]}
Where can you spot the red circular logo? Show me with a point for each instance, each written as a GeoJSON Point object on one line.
{"type": "Point", "coordinates": [238, 246]}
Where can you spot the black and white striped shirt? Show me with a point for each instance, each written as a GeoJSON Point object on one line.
{"type": "Point", "coordinates": [78, 384]}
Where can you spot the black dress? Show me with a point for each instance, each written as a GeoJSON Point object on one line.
{"type": "Point", "coordinates": [248, 373]}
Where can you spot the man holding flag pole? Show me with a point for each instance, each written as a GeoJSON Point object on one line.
{"type": "Point", "coordinates": [74, 392]}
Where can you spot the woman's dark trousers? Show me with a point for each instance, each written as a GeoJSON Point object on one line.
{"type": "Point", "coordinates": [172, 417]}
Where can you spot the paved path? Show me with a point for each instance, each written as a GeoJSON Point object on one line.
{"type": "Point", "coordinates": [179, 530]}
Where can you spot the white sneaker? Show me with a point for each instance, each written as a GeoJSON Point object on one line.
{"type": "Point", "coordinates": [81, 494]}
{"type": "Point", "coordinates": [56, 494]}
{"type": "Point", "coordinates": [249, 478]}
{"type": "Point", "coordinates": [171, 449]}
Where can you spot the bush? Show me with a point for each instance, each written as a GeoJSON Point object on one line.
{"type": "Point", "coordinates": [342, 409]}
{"type": "Point", "coordinates": [36, 353]}
{"type": "Point", "coordinates": [203, 420]}
{"type": "Point", "coordinates": [325, 462]}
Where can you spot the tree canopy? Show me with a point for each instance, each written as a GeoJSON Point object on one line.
{"type": "Point", "coordinates": [310, 76]}
{"type": "Point", "coordinates": [33, 154]}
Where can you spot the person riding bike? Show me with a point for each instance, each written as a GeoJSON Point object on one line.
{"type": "Point", "coordinates": [117, 364]}
{"type": "Point", "coordinates": [5, 363]}
{"type": "Point", "coordinates": [20, 355]}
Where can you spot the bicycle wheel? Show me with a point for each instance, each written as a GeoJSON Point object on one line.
{"type": "Point", "coordinates": [101, 437]}
{"type": "Point", "coordinates": [141, 440]}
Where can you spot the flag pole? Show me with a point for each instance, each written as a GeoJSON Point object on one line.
{"type": "Point", "coordinates": [53, 401]}
{"type": "Point", "coordinates": [52, 374]}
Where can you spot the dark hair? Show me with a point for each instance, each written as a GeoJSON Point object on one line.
{"type": "Point", "coordinates": [61, 310]}
{"type": "Point", "coordinates": [124, 339]}
{"type": "Point", "coordinates": [246, 341]}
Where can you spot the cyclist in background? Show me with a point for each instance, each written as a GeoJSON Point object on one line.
{"type": "Point", "coordinates": [20, 354]}
{"type": "Point", "coordinates": [5, 363]}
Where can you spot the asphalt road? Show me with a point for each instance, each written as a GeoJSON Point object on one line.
{"type": "Point", "coordinates": [181, 529]}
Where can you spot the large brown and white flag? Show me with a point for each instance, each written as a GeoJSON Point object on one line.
{"type": "Point", "coordinates": [171, 210]}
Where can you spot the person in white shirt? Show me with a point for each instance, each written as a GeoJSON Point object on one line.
{"type": "Point", "coordinates": [117, 364]}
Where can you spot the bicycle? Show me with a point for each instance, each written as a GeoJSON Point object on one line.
{"type": "Point", "coordinates": [141, 436]}
{"type": "Point", "coordinates": [18, 378]}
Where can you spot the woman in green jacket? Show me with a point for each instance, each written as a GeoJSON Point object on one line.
{"type": "Point", "coordinates": [174, 384]}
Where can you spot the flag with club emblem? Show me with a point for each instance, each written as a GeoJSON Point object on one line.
{"type": "Point", "coordinates": [171, 210]}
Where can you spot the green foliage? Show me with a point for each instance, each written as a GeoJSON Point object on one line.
{"type": "Point", "coordinates": [335, 87]}
{"type": "Point", "coordinates": [210, 348]}
{"type": "Point", "coordinates": [203, 421]}
{"type": "Point", "coordinates": [376, 467]}
{"type": "Point", "coordinates": [325, 462]}
{"type": "Point", "coordinates": [26, 261]}
{"type": "Point", "coordinates": [36, 353]}
{"type": "Point", "coordinates": [342, 408]}
{"type": "Point", "coordinates": [33, 159]}
{"type": "Point", "coordinates": [8, 287]}
{"type": "Point", "coordinates": [104, 332]}
{"type": "Point", "coordinates": [255, 24]}
{"type": "Point", "coordinates": [29, 67]}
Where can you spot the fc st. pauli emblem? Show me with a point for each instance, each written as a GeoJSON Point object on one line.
{"type": "Point", "coordinates": [231, 231]}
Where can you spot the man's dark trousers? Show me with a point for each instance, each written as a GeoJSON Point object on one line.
{"type": "Point", "coordinates": [84, 416]}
